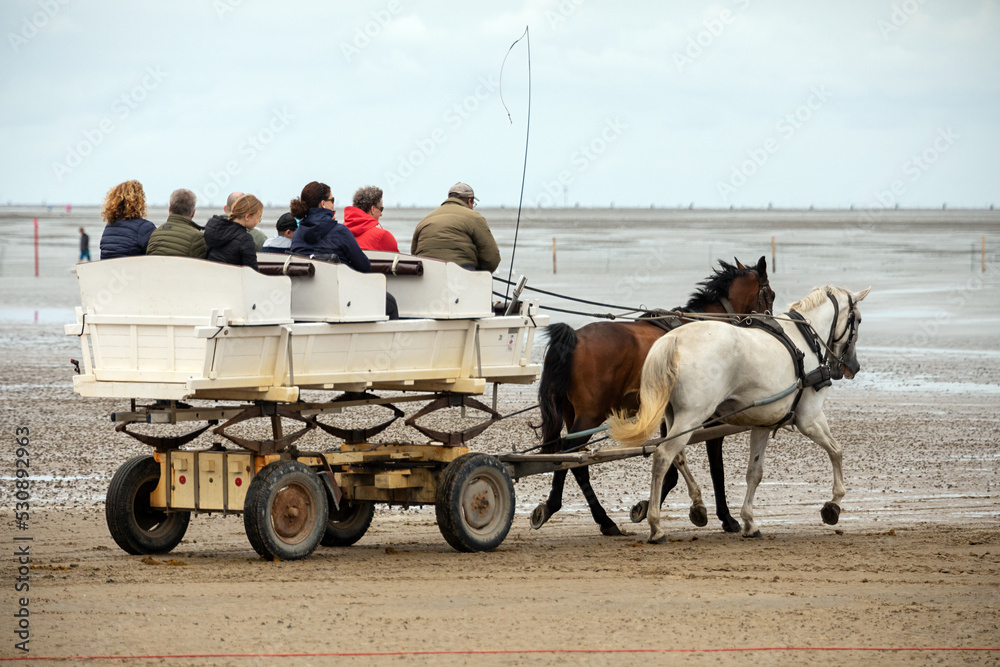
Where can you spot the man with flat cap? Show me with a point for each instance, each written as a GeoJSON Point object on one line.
{"type": "Point", "coordinates": [454, 232]}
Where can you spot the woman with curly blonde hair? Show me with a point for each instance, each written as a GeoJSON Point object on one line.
{"type": "Point", "coordinates": [127, 232]}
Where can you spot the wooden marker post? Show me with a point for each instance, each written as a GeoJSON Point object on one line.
{"type": "Point", "coordinates": [774, 259]}
{"type": "Point", "coordinates": [553, 254]}
{"type": "Point", "coordinates": [36, 247]}
{"type": "Point", "coordinates": [983, 254]}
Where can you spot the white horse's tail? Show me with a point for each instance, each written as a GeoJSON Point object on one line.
{"type": "Point", "coordinates": [659, 374]}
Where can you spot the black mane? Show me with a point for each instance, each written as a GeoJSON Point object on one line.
{"type": "Point", "coordinates": [715, 287]}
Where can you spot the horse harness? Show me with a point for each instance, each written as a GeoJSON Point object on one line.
{"type": "Point", "coordinates": [823, 375]}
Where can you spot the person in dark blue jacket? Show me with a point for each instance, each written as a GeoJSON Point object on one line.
{"type": "Point", "coordinates": [127, 232]}
{"type": "Point", "coordinates": [320, 233]}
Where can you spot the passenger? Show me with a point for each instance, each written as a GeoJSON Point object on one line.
{"type": "Point", "coordinates": [258, 236]}
{"type": "Point", "coordinates": [320, 233]}
{"type": "Point", "coordinates": [227, 239]}
{"type": "Point", "coordinates": [286, 226]}
{"type": "Point", "coordinates": [84, 246]}
{"type": "Point", "coordinates": [179, 236]}
{"type": "Point", "coordinates": [456, 233]}
{"type": "Point", "coordinates": [363, 220]}
{"type": "Point", "coordinates": [127, 232]}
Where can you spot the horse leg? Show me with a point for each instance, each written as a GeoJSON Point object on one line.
{"type": "Point", "coordinates": [639, 510]}
{"type": "Point", "coordinates": [755, 472]}
{"type": "Point", "coordinates": [819, 432]}
{"type": "Point", "coordinates": [698, 513]}
{"type": "Point", "coordinates": [662, 458]}
{"type": "Point", "coordinates": [608, 527]}
{"type": "Point", "coordinates": [553, 503]}
{"type": "Point", "coordinates": [714, 449]}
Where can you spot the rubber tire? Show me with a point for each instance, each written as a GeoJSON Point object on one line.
{"type": "Point", "coordinates": [451, 516]}
{"type": "Point", "coordinates": [346, 526]}
{"type": "Point", "coordinates": [134, 525]}
{"type": "Point", "coordinates": [263, 491]}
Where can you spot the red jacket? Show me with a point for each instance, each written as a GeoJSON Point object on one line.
{"type": "Point", "coordinates": [369, 234]}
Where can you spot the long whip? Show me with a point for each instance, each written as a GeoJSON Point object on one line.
{"type": "Point", "coordinates": [527, 131]}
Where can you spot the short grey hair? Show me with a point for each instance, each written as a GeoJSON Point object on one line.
{"type": "Point", "coordinates": [367, 197]}
{"type": "Point", "coordinates": [182, 202]}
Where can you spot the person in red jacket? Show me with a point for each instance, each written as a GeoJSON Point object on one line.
{"type": "Point", "coordinates": [362, 220]}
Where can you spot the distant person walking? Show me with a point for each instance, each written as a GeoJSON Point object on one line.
{"type": "Point", "coordinates": [84, 246]}
{"type": "Point", "coordinates": [456, 233]}
{"type": "Point", "coordinates": [127, 231]}
{"type": "Point", "coordinates": [363, 220]}
{"type": "Point", "coordinates": [258, 236]}
{"type": "Point", "coordinates": [179, 236]}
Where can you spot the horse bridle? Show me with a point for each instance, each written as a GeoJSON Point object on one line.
{"type": "Point", "coordinates": [762, 287]}
{"type": "Point", "coordinates": [850, 330]}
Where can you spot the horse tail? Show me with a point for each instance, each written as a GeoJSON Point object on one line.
{"type": "Point", "coordinates": [554, 385]}
{"type": "Point", "coordinates": [659, 375]}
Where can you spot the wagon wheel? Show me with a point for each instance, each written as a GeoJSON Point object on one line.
{"type": "Point", "coordinates": [285, 511]}
{"type": "Point", "coordinates": [135, 526]}
{"type": "Point", "coordinates": [475, 503]}
{"type": "Point", "coordinates": [349, 524]}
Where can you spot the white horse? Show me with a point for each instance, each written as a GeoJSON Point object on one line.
{"type": "Point", "coordinates": [739, 374]}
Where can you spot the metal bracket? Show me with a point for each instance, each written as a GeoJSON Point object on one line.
{"type": "Point", "coordinates": [452, 401]}
{"type": "Point", "coordinates": [265, 409]}
{"type": "Point", "coordinates": [355, 436]}
{"type": "Point", "coordinates": [164, 442]}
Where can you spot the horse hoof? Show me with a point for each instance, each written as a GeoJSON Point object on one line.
{"type": "Point", "coordinates": [539, 516]}
{"type": "Point", "coordinates": [730, 525]}
{"type": "Point", "coordinates": [638, 512]}
{"type": "Point", "coordinates": [699, 516]}
{"type": "Point", "coordinates": [658, 540]}
{"type": "Point", "coordinates": [755, 533]}
{"type": "Point", "coordinates": [830, 514]}
{"type": "Point", "coordinates": [611, 530]}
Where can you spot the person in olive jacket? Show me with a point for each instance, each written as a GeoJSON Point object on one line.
{"type": "Point", "coordinates": [227, 240]}
{"type": "Point", "coordinates": [454, 232]}
{"type": "Point", "coordinates": [179, 235]}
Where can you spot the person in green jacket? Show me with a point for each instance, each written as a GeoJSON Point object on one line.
{"type": "Point", "coordinates": [179, 235]}
{"type": "Point", "coordinates": [456, 233]}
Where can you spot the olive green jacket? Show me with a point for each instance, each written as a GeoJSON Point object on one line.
{"type": "Point", "coordinates": [178, 236]}
{"type": "Point", "coordinates": [455, 233]}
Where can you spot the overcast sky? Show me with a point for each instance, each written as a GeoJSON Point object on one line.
{"type": "Point", "coordinates": [733, 102]}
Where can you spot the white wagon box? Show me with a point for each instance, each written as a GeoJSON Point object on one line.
{"type": "Point", "coordinates": [176, 328]}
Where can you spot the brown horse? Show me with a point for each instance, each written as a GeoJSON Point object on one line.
{"type": "Point", "coordinates": [591, 372]}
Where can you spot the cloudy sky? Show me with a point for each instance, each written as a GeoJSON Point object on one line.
{"type": "Point", "coordinates": [725, 103]}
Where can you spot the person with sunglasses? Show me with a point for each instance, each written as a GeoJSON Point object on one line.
{"type": "Point", "coordinates": [363, 220]}
{"type": "Point", "coordinates": [320, 233]}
